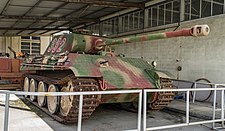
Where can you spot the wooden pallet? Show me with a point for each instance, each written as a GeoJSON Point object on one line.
{"type": "Point", "coordinates": [9, 86]}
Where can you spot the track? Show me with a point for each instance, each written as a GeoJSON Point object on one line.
{"type": "Point", "coordinates": [90, 102]}
{"type": "Point", "coordinates": [158, 101]}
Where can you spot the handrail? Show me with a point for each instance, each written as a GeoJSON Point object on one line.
{"type": "Point", "coordinates": [69, 93]}
{"type": "Point", "coordinates": [81, 94]}
{"type": "Point", "coordinates": [188, 123]}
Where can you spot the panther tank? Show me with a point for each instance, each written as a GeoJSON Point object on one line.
{"type": "Point", "coordinates": [77, 63]}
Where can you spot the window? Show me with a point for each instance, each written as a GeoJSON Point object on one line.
{"type": "Point", "coordinates": [169, 13]}
{"type": "Point", "coordinates": [94, 28]}
{"type": "Point", "coordinates": [164, 13]}
{"type": "Point", "coordinates": [132, 21]}
{"type": "Point", "coordinates": [109, 26]}
{"type": "Point", "coordinates": [154, 16]}
{"type": "Point", "coordinates": [30, 44]}
{"type": "Point", "coordinates": [202, 8]}
{"type": "Point", "coordinates": [105, 26]}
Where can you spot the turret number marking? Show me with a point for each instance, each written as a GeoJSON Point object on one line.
{"type": "Point", "coordinates": [57, 45]}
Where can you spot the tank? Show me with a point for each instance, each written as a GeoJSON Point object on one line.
{"type": "Point", "coordinates": [76, 63]}
{"type": "Point", "coordinates": [10, 74]}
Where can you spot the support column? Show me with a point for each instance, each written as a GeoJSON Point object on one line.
{"type": "Point", "coordinates": [182, 10]}
{"type": "Point", "coordinates": [146, 15]}
{"type": "Point", "coordinates": [4, 44]}
{"type": "Point", "coordinates": [1, 44]}
{"type": "Point", "coordinates": [224, 7]}
{"type": "Point", "coordinates": [120, 25]}
{"type": "Point", "coordinates": [100, 28]}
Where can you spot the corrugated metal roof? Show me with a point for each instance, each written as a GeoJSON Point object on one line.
{"type": "Point", "coordinates": [44, 17]}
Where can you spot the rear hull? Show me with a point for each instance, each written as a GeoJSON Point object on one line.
{"type": "Point", "coordinates": [10, 74]}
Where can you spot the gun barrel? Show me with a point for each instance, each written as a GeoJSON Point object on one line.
{"type": "Point", "coordinates": [14, 53]}
{"type": "Point", "coordinates": [197, 30]}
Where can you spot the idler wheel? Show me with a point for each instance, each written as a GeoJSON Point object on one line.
{"type": "Point", "coordinates": [53, 101]}
{"type": "Point", "coordinates": [42, 87]}
{"type": "Point", "coordinates": [33, 88]}
{"type": "Point", "coordinates": [26, 85]}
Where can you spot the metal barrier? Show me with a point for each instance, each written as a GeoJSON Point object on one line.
{"type": "Point", "coordinates": [81, 94]}
{"type": "Point", "coordinates": [139, 92]}
{"type": "Point", "coordinates": [188, 123]}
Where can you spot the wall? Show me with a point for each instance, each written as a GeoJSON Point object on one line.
{"type": "Point", "coordinates": [14, 43]}
{"type": "Point", "coordinates": [200, 57]}
{"type": "Point", "coordinates": [45, 40]}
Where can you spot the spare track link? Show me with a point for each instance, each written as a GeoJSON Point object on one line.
{"type": "Point", "coordinates": [90, 102]}
{"type": "Point", "coordinates": [163, 98]}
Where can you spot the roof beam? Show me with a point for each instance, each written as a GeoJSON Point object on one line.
{"type": "Point", "coordinates": [62, 16]}
{"type": "Point", "coordinates": [49, 29]}
{"type": "Point", "coordinates": [37, 3]}
{"type": "Point", "coordinates": [32, 8]}
{"type": "Point", "coordinates": [83, 7]}
{"type": "Point", "coordinates": [55, 9]}
{"type": "Point", "coordinates": [104, 3]}
{"type": "Point", "coordinates": [6, 6]}
{"type": "Point", "coordinates": [37, 18]}
{"type": "Point", "coordinates": [72, 26]}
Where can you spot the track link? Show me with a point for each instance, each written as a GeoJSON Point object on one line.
{"type": "Point", "coordinates": [90, 102]}
{"type": "Point", "coordinates": [162, 99]}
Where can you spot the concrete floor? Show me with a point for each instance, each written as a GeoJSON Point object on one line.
{"type": "Point", "coordinates": [105, 118]}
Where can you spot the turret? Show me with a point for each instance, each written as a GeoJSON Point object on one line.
{"type": "Point", "coordinates": [91, 44]}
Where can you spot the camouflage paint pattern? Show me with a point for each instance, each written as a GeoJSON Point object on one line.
{"type": "Point", "coordinates": [120, 73]}
{"type": "Point", "coordinates": [73, 43]}
{"type": "Point", "coordinates": [116, 73]}
{"type": "Point", "coordinates": [92, 44]}
{"type": "Point", "coordinates": [198, 30]}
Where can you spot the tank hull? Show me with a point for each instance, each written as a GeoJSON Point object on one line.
{"type": "Point", "coordinates": [108, 73]}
